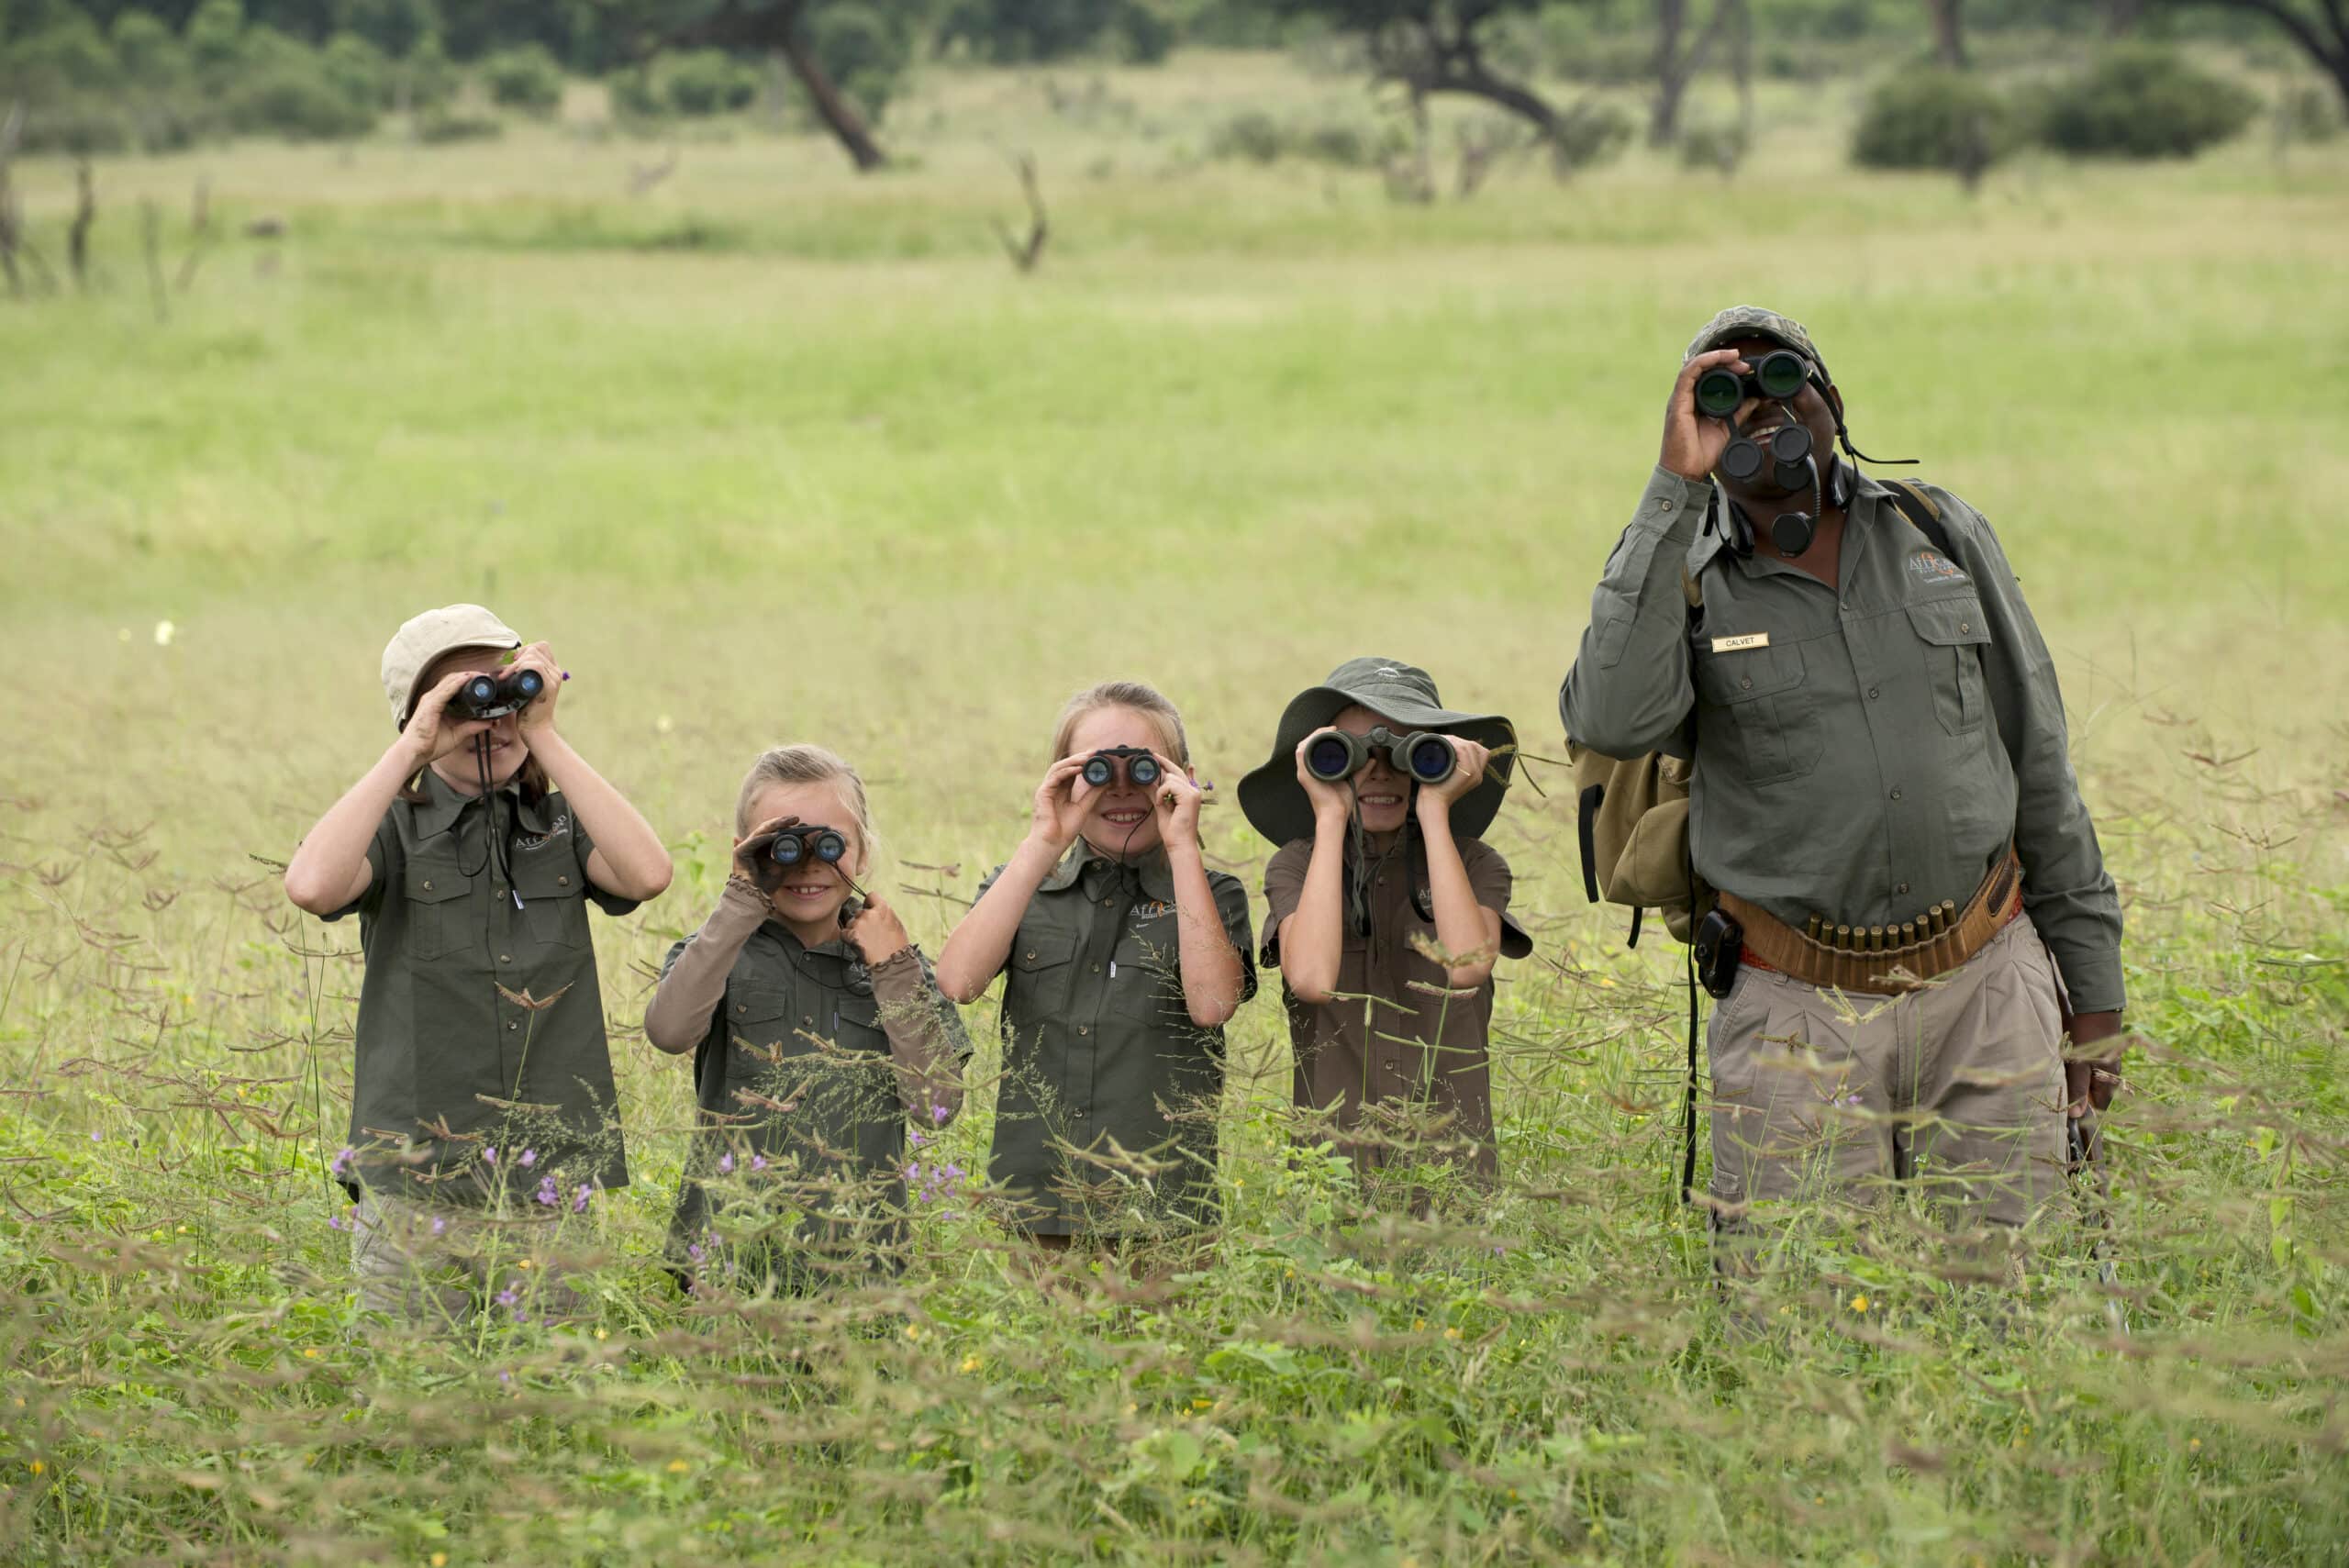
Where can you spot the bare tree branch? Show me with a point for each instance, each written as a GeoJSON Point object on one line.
{"type": "Point", "coordinates": [1026, 252]}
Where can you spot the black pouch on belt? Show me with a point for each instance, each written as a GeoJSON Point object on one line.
{"type": "Point", "coordinates": [1719, 944]}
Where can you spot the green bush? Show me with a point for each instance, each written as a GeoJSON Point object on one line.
{"type": "Point", "coordinates": [357, 69]}
{"type": "Point", "coordinates": [149, 53]}
{"type": "Point", "coordinates": [863, 50]}
{"type": "Point", "coordinates": [81, 126]}
{"type": "Point", "coordinates": [294, 98]}
{"type": "Point", "coordinates": [2140, 101]}
{"type": "Point", "coordinates": [424, 76]}
{"type": "Point", "coordinates": [1251, 134]}
{"type": "Point", "coordinates": [1930, 117]}
{"type": "Point", "coordinates": [1591, 136]}
{"type": "Point", "coordinates": [439, 125]}
{"type": "Point", "coordinates": [526, 78]}
{"type": "Point", "coordinates": [2309, 114]}
{"type": "Point", "coordinates": [707, 82]}
{"type": "Point", "coordinates": [69, 57]}
{"type": "Point", "coordinates": [214, 36]}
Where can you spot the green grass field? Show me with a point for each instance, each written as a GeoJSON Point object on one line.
{"type": "Point", "coordinates": [772, 453]}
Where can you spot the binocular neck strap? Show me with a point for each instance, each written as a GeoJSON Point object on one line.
{"type": "Point", "coordinates": [497, 849]}
{"type": "Point", "coordinates": [1845, 437]}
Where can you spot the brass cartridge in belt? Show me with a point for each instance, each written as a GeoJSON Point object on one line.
{"type": "Point", "coordinates": [1810, 928]}
{"type": "Point", "coordinates": [1875, 940]}
{"type": "Point", "coordinates": [1844, 938]}
{"type": "Point", "coordinates": [1933, 923]}
{"type": "Point", "coordinates": [1907, 933]}
{"type": "Point", "coordinates": [1949, 914]}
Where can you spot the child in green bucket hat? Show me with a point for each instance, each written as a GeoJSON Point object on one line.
{"type": "Point", "coordinates": [1387, 909]}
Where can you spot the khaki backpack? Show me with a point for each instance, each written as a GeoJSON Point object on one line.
{"type": "Point", "coordinates": [1632, 812]}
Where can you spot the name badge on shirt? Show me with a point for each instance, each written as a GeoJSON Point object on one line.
{"type": "Point", "coordinates": [1740, 644]}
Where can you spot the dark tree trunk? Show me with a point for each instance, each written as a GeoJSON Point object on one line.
{"type": "Point", "coordinates": [840, 115]}
{"type": "Point", "coordinates": [2323, 34]}
{"type": "Point", "coordinates": [1949, 31]}
{"type": "Point", "coordinates": [1673, 70]}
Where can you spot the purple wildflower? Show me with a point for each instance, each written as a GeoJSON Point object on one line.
{"type": "Point", "coordinates": [726, 1163]}
{"type": "Point", "coordinates": [97, 1137]}
{"type": "Point", "coordinates": [510, 1295]}
{"type": "Point", "coordinates": [489, 1155]}
{"type": "Point", "coordinates": [916, 1137]}
{"type": "Point", "coordinates": [940, 1111]}
{"type": "Point", "coordinates": [341, 1166]}
{"type": "Point", "coordinates": [334, 1222]}
{"type": "Point", "coordinates": [440, 1226]}
{"type": "Point", "coordinates": [758, 1162]}
{"type": "Point", "coordinates": [579, 1202]}
{"type": "Point", "coordinates": [547, 1194]}
{"type": "Point", "coordinates": [693, 1250]}
{"type": "Point", "coordinates": [530, 1158]}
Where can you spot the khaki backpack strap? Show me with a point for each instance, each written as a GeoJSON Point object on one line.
{"type": "Point", "coordinates": [1917, 494]}
{"type": "Point", "coordinates": [1691, 590]}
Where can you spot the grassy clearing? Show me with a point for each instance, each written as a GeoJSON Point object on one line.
{"type": "Point", "coordinates": [842, 476]}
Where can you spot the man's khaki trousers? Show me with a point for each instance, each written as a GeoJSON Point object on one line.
{"type": "Point", "coordinates": [1957, 1087]}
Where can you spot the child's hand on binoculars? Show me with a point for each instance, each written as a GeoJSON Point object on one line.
{"type": "Point", "coordinates": [1176, 801]}
{"type": "Point", "coordinates": [1468, 760]}
{"type": "Point", "coordinates": [877, 932]}
{"type": "Point", "coordinates": [1693, 444]}
{"type": "Point", "coordinates": [431, 732]}
{"type": "Point", "coordinates": [1061, 803]}
{"type": "Point", "coordinates": [751, 853]}
{"type": "Point", "coordinates": [1329, 801]}
{"type": "Point", "coordinates": [540, 714]}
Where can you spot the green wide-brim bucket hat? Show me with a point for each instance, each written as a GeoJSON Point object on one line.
{"type": "Point", "coordinates": [1405, 695]}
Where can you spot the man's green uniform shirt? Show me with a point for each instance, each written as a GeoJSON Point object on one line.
{"type": "Point", "coordinates": [1862, 751]}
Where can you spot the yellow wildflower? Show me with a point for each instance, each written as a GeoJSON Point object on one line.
{"type": "Point", "coordinates": [678, 1467]}
{"type": "Point", "coordinates": [1859, 1303]}
{"type": "Point", "coordinates": [38, 1466]}
{"type": "Point", "coordinates": [971, 1364]}
{"type": "Point", "coordinates": [440, 1560]}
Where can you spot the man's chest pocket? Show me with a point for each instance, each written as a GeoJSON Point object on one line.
{"type": "Point", "coordinates": [1951, 634]}
{"type": "Point", "coordinates": [1765, 714]}
{"type": "Point", "coordinates": [552, 886]}
{"type": "Point", "coordinates": [439, 905]}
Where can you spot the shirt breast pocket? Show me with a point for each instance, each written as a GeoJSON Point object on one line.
{"type": "Point", "coordinates": [552, 900]}
{"type": "Point", "coordinates": [1148, 984]}
{"type": "Point", "coordinates": [1952, 634]}
{"type": "Point", "coordinates": [439, 905]}
{"type": "Point", "coordinates": [762, 1029]}
{"type": "Point", "coordinates": [1043, 966]}
{"type": "Point", "coordinates": [1762, 699]}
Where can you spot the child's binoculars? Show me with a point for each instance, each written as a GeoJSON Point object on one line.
{"type": "Point", "coordinates": [796, 845]}
{"type": "Point", "coordinates": [1782, 375]}
{"type": "Point", "coordinates": [1422, 755]}
{"type": "Point", "coordinates": [1101, 768]}
{"type": "Point", "coordinates": [495, 696]}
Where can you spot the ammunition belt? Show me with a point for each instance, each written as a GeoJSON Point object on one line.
{"type": "Point", "coordinates": [1883, 961]}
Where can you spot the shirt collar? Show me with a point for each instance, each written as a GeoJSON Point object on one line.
{"type": "Point", "coordinates": [442, 806]}
{"type": "Point", "coordinates": [1084, 860]}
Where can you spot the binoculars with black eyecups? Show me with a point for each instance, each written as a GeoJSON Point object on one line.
{"type": "Point", "coordinates": [1141, 769]}
{"type": "Point", "coordinates": [1789, 445]}
{"type": "Point", "coordinates": [1781, 373]}
{"type": "Point", "coordinates": [806, 841]}
{"type": "Point", "coordinates": [495, 696]}
{"type": "Point", "coordinates": [1422, 756]}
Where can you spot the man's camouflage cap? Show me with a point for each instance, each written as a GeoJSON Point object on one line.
{"type": "Point", "coordinates": [1752, 321]}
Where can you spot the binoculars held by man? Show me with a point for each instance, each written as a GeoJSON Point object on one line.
{"type": "Point", "coordinates": [495, 696]}
{"type": "Point", "coordinates": [1422, 756]}
{"type": "Point", "coordinates": [1781, 374]}
{"type": "Point", "coordinates": [1141, 769]}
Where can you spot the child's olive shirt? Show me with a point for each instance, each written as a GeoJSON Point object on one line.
{"type": "Point", "coordinates": [1395, 1031]}
{"type": "Point", "coordinates": [1099, 1049]}
{"type": "Point", "coordinates": [479, 996]}
{"type": "Point", "coordinates": [809, 1066]}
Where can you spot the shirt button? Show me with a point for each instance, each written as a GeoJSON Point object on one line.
{"type": "Point", "coordinates": [806, 1022]}
{"type": "Point", "coordinates": [1389, 1066]}
{"type": "Point", "coordinates": [505, 958]}
{"type": "Point", "coordinates": [1662, 505]}
{"type": "Point", "coordinates": [1873, 694]}
{"type": "Point", "coordinates": [1032, 955]}
{"type": "Point", "coordinates": [511, 1024]}
{"type": "Point", "coordinates": [1745, 683]}
{"type": "Point", "coordinates": [1097, 969]}
{"type": "Point", "coordinates": [1084, 1028]}
{"type": "Point", "coordinates": [428, 886]}
{"type": "Point", "coordinates": [1964, 626]}
{"type": "Point", "coordinates": [563, 881]}
{"type": "Point", "coordinates": [741, 1007]}
{"type": "Point", "coordinates": [1075, 1112]}
{"type": "Point", "coordinates": [1902, 888]}
{"type": "Point", "coordinates": [1896, 794]}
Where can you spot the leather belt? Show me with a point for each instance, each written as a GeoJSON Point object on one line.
{"type": "Point", "coordinates": [1883, 961]}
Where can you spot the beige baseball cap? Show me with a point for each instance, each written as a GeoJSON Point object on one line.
{"type": "Point", "coordinates": [429, 636]}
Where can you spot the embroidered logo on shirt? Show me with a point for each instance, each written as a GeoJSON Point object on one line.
{"type": "Point", "coordinates": [1927, 567]}
{"type": "Point", "coordinates": [556, 830]}
{"type": "Point", "coordinates": [1151, 909]}
{"type": "Point", "coordinates": [1738, 644]}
